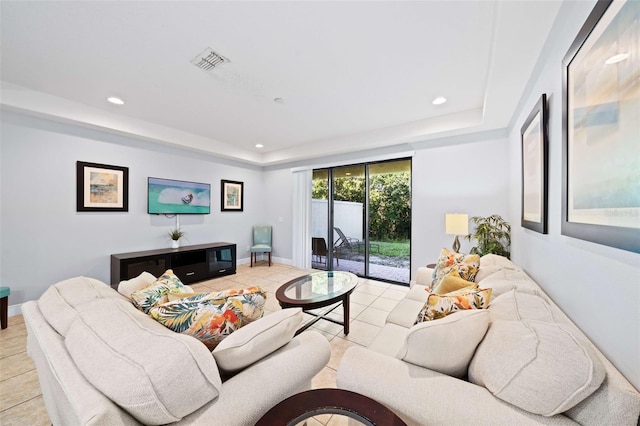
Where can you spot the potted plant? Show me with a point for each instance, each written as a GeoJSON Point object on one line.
{"type": "Point", "coordinates": [175, 235]}
{"type": "Point", "coordinates": [493, 234]}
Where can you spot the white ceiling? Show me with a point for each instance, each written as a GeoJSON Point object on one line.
{"type": "Point", "coordinates": [353, 75]}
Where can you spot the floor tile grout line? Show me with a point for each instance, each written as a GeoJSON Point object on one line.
{"type": "Point", "coordinates": [17, 375]}
{"type": "Point", "coordinates": [24, 401]}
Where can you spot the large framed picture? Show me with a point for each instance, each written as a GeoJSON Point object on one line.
{"type": "Point", "coordinates": [232, 196]}
{"type": "Point", "coordinates": [101, 188]}
{"type": "Point", "coordinates": [601, 112]}
{"type": "Point", "coordinates": [535, 168]}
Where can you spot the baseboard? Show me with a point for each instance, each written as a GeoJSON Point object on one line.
{"type": "Point", "coordinates": [14, 310]}
{"type": "Point", "coordinates": [280, 260]}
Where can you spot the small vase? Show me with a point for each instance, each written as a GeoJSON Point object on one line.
{"type": "Point", "coordinates": [175, 243]}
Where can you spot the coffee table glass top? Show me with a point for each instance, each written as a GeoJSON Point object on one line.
{"type": "Point", "coordinates": [321, 286]}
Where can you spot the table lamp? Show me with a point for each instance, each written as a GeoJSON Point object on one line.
{"type": "Point", "coordinates": [456, 224]}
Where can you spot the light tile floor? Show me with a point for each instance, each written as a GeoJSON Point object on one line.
{"type": "Point", "coordinates": [21, 400]}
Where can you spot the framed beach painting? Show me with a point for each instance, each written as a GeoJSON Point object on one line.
{"type": "Point", "coordinates": [101, 188]}
{"type": "Point", "coordinates": [232, 196]}
{"type": "Point", "coordinates": [535, 168]}
{"type": "Point", "coordinates": [601, 130]}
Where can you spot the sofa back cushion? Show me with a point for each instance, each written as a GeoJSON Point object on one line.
{"type": "Point", "coordinates": [60, 303]}
{"type": "Point", "coordinates": [446, 345]}
{"type": "Point", "coordinates": [156, 375]}
{"type": "Point", "coordinates": [533, 361]}
{"type": "Point", "coordinates": [257, 340]}
{"type": "Point", "coordinates": [506, 280]}
{"type": "Point", "coordinates": [144, 280]}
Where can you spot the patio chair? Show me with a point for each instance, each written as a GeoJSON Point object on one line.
{"type": "Point", "coordinates": [346, 244]}
{"type": "Point", "coordinates": [319, 249]}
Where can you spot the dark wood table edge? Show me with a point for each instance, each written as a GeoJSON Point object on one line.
{"type": "Point", "coordinates": [329, 401]}
{"type": "Point", "coordinates": [287, 302]}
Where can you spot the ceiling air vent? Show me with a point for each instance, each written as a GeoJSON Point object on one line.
{"type": "Point", "coordinates": [208, 60]}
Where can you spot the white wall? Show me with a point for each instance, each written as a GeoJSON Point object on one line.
{"type": "Point", "coordinates": [467, 178]}
{"type": "Point", "coordinates": [277, 191]}
{"type": "Point", "coordinates": [348, 216]}
{"type": "Point", "coordinates": [45, 240]}
{"type": "Point", "coordinates": [597, 286]}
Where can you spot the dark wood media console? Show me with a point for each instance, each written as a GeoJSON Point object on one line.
{"type": "Point", "coordinates": [190, 263]}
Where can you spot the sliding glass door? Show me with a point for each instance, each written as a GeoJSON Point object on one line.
{"type": "Point", "coordinates": [361, 219]}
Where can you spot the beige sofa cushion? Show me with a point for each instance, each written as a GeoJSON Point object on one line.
{"type": "Point", "coordinates": [140, 282]}
{"type": "Point", "coordinates": [506, 280]}
{"type": "Point", "coordinates": [499, 261]}
{"type": "Point", "coordinates": [515, 305]}
{"type": "Point", "coordinates": [446, 345]}
{"type": "Point", "coordinates": [537, 366]}
{"type": "Point", "coordinates": [405, 312]}
{"type": "Point", "coordinates": [60, 303]}
{"type": "Point", "coordinates": [256, 340]}
{"type": "Point", "coordinates": [156, 375]}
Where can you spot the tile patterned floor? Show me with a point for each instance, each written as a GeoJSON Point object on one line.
{"type": "Point", "coordinates": [21, 400]}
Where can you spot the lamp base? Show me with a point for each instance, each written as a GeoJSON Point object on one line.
{"type": "Point", "coordinates": [456, 245]}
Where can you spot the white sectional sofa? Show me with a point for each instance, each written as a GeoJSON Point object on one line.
{"type": "Point", "coordinates": [100, 361]}
{"type": "Point", "coordinates": [519, 362]}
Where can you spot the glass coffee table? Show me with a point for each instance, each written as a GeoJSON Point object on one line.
{"type": "Point", "coordinates": [327, 289]}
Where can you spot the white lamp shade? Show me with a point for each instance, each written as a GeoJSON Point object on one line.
{"type": "Point", "coordinates": [456, 223]}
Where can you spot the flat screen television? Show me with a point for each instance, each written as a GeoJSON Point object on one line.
{"type": "Point", "coordinates": [167, 196]}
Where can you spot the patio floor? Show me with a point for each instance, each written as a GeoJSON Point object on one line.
{"type": "Point", "coordinates": [391, 273]}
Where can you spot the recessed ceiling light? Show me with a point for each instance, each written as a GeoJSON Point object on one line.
{"type": "Point", "coordinates": [259, 145]}
{"type": "Point", "coordinates": [439, 100]}
{"type": "Point", "coordinates": [115, 101]}
{"type": "Point", "coordinates": [617, 58]}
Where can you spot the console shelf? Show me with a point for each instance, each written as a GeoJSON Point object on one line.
{"type": "Point", "coordinates": [190, 263]}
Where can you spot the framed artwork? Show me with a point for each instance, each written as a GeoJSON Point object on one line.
{"type": "Point", "coordinates": [232, 196]}
{"type": "Point", "coordinates": [601, 147]}
{"type": "Point", "coordinates": [535, 168]}
{"type": "Point", "coordinates": [101, 188]}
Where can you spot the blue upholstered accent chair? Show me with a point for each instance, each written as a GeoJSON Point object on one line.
{"type": "Point", "coordinates": [261, 242]}
{"type": "Point", "coordinates": [4, 306]}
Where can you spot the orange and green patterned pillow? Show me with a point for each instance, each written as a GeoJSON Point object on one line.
{"type": "Point", "coordinates": [452, 282]}
{"type": "Point", "coordinates": [440, 306]}
{"type": "Point", "coordinates": [157, 292]}
{"type": "Point", "coordinates": [210, 317]}
{"type": "Point", "coordinates": [466, 264]}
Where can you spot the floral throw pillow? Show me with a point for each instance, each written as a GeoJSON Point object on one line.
{"type": "Point", "coordinates": [467, 265]}
{"type": "Point", "coordinates": [452, 282]}
{"type": "Point", "coordinates": [210, 317]}
{"type": "Point", "coordinates": [157, 292]}
{"type": "Point", "coordinates": [440, 306]}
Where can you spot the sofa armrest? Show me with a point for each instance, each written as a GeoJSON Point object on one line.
{"type": "Point", "coordinates": [424, 276]}
{"type": "Point", "coordinates": [248, 395]}
{"type": "Point", "coordinates": [424, 397]}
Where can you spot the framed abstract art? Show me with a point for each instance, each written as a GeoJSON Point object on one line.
{"type": "Point", "coordinates": [601, 130]}
{"type": "Point", "coordinates": [535, 168]}
{"type": "Point", "coordinates": [101, 188]}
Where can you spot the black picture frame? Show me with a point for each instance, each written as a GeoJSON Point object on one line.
{"type": "Point", "coordinates": [101, 187]}
{"type": "Point", "coordinates": [535, 168]}
{"type": "Point", "coordinates": [600, 194]}
{"type": "Point", "coordinates": [231, 196]}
